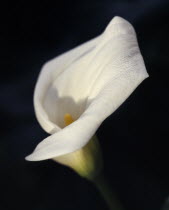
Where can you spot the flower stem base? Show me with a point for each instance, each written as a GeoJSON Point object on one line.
{"type": "Point", "coordinates": [105, 190]}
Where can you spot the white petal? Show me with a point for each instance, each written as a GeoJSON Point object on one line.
{"type": "Point", "coordinates": [66, 140]}
{"type": "Point", "coordinates": [50, 71]}
{"type": "Point", "coordinates": [65, 82]}
{"type": "Point", "coordinates": [114, 68]}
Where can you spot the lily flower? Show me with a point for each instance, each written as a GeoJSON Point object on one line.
{"type": "Point", "coordinates": [79, 89]}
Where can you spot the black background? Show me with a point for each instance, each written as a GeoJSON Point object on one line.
{"type": "Point", "coordinates": [133, 139]}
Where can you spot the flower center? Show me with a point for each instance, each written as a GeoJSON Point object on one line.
{"type": "Point", "coordinates": [68, 119]}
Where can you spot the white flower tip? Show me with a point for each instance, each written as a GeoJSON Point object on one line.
{"type": "Point", "coordinates": [119, 26]}
{"type": "Point", "coordinates": [118, 20]}
{"type": "Point", "coordinates": [31, 158]}
{"type": "Point", "coordinates": [36, 156]}
{"type": "Point", "coordinates": [28, 158]}
{"type": "Point", "coordinates": [147, 75]}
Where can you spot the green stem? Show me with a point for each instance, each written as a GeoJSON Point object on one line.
{"type": "Point", "coordinates": [105, 190]}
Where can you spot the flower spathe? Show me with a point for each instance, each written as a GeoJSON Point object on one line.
{"type": "Point", "coordinates": [90, 82]}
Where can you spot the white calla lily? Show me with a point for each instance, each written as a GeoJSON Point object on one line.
{"type": "Point", "coordinates": [90, 82]}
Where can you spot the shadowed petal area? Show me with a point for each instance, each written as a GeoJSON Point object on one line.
{"type": "Point", "coordinates": [90, 88]}
{"type": "Point", "coordinates": [45, 98]}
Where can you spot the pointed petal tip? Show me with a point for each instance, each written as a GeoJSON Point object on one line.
{"type": "Point", "coordinates": [118, 26]}
{"type": "Point", "coordinates": [36, 156]}
{"type": "Point", "coordinates": [30, 158]}
{"type": "Point", "coordinates": [118, 20]}
{"type": "Point", "coordinates": [147, 75]}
